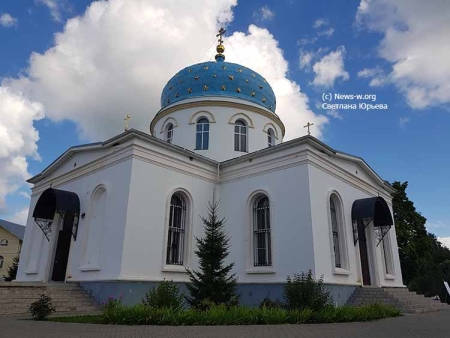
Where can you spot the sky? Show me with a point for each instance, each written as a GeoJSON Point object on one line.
{"type": "Point", "coordinates": [71, 70]}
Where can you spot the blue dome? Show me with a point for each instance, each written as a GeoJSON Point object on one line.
{"type": "Point", "coordinates": [218, 79]}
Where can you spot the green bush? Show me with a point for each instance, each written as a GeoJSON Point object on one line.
{"type": "Point", "coordinates": [166, 295]}
{"type": "Point", "coordinates": [268, 303]}
{"type": "Point", "coordinates": [223, 315]}
{"type": "Point", "coordinates": [41, 308]}
{"type": "Point", "coordinates": [303, 291]}
{"type": "Point", "coordinates": [12, 270]}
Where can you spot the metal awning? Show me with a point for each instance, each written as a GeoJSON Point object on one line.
{"type": "Point", "coordinates": [53, 201]}
{"type": "Point", "coordinates": [372, 209]}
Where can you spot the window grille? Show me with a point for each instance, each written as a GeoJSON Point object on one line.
{"type": "Point", "coordinates": [177, 228]}
{"type": "Point", "coordinates": [261, 232]}
{"type": "Point", "coordinates": [335, 230]}
{"type": "Point", "coordinates": [202, 136]}
{"type": "Point", "coordinates": [240, 136]}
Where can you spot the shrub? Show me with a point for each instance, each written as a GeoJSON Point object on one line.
{"type": "Point", "coordinates": [12, 270]}
{"type": "Point", "coordinates": [222, 315]}
{"type": "Point", "coordinates": [41, 308]}
{"type": "Point", "coordinates": [166, 295]}
{"type": "Point", "coordinates": [303, 291]}
{"type": "Point", "coordinates": [268, 303]}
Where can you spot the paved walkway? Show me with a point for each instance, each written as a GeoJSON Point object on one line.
{"type": "Point", "coordinates": [431, 325]}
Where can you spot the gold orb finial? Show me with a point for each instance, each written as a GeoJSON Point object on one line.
{"type": "Point", "coordinates": [220, 48]}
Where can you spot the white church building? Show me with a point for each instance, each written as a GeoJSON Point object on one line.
{"type": "Point", "coordinates": [121, 215]}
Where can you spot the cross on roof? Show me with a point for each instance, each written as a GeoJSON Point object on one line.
{"type": "Point", "coordinates": [127, 117]}
{"type": "Point", "coordinates": [307, 126]}
{"type": "Point", "coordinates": [221, 32]}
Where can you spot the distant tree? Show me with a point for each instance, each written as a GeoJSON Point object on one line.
{"type": "Point", "coordinates": [12, 270]}
{"type": "Point", "coordinates": [212, 284]}
{"type": "Point", "coordinates": [425, 261]}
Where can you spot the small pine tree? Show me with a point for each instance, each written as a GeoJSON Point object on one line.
{"type": "Point", "coordinates": [12, 270]}
{"type": "Point", "coordinates": [212, 285]}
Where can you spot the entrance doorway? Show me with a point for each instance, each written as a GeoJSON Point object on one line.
{"type": "Point", "coordinates": [62, 250]}
{"type": "Point", "coordinates": [365, 270]}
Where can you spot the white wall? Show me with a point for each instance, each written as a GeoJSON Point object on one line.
{"type": "Point", "coordinates": [37, 253]}
{"type": "Point", "coordinates": [145, 240]}
{"type": "Point", "coordinates": [322, 183]}
{"type": "Point", "coordinates": [291, 234]}
{"type": "Point", "coordinates": [221, 135]}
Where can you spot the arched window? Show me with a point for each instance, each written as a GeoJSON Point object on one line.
{"type": "Point", "coordinates": [202, 136]}
{"type": "Point", "coordinates": [4, 242]}
{"type": "Point", "coordinates": [270, 137]}
{"type": "Point", "coordinates": [1, 262]}
{"type": "Point", "coordinates": [177, 228]}
{"type": "Point", "coordinates": [240, 136]}
{"type": "Point", "coordinates": [335, 231]}
{"type": "Point", "coordinates": [169, 133]}
{"type": "Point", "coordinates": [262, 248]}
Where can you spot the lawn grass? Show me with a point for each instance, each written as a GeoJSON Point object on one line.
{"type": "Point", "coordinates": [144, 315]}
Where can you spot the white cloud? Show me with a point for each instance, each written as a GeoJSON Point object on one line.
{"type": "Point", "coordinates": [264, 14]}
{"type": "Point", "coordinates": [55, 8]}
{"type": "Point", "coordinates": [18, 139]}
{"type": "Point", "coordinates": [335, 113]}
{"type": "Point", "coordinates": [415, 42]}
{"type": "Point", "coordinates": [305, 59]}
{"type": "Point", "coordinates": [25, 194]}
{"type": "Point", "coordinates": [327, 33]}
{"type": "Point", "coordinates": [6, 20]}
{"type": "Point", "coordinates": [403, 120]}
{"type": "Point", "coordinates": [377, 76]}
{"type": "Point", "coordinates": [319, 23]}
{"type": "Point", "coordinates": [19, 217]}
{"type": "Point", "coordinates": [445, 241]}
{"type": "Point", "coordinates": [330, 68]}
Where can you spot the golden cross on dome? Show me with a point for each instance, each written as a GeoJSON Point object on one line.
{"type": "Point", "coordinates": [307, 126]}
{"type": "Point", "coordinates": [127, 117]}
{"type": "Point", "coordinates": [221, 32]}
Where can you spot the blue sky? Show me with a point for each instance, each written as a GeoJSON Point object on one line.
{"type": "Point", "coordinates": [328, 46]}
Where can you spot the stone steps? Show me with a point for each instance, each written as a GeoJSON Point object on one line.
{"type": "Point", "coordinates": [16, 298]}
{"type": "Point", "coordinates": [401, 298]}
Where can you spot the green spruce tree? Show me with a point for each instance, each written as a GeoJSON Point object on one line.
{"type": "Point", "coordinates": [12, 270]}
{"type": "Point", "coordinates": [212, 284]}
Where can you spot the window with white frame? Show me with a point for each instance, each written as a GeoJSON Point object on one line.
{"type": "Point", "coordinates": [177, 229]}
{"type": "Point", "coordinates": [1, 261]}
{"type": "Point", "coordinates": [335, 220]}
{"type": "Point", "coordinates": [169, 133]}
{"type": "Point", "coordinates": [262, 247]}
{"type": "Point", "coordinates": [202, 135]}
{"type": "Point", "coordinates": [240, 136]}
{"type": "Point", "coordinates": [270, 137]}
{"type": "Point", "coordinates": [4, 242]}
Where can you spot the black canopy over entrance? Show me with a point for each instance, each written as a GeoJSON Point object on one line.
{"type": "Point", "coordinates": [373, 209]}
{"type": "Point", "coordinates": [65, 203]}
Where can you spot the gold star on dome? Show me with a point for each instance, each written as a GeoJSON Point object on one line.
{"type": "Point", "coordinates": [190, 70]}
{"type": "Point", "coordinates": [214, 75]}
{"type": "Point", "coordinates": [196, 78]}
{"type": "Point", "coordinates": [253, 94]}
{"type": "Point", "coordinates": [189, 90]}
{"type": "Point", "coordinates": [253, 74]}
{"type": "Point", "coordinates": [260, 87]}
{"type": "Point", "coordinates": [231, 77]}
{"type": "Point", "coordinates": [176, 95]}
{"type": "Point", "coordinates": [240, 70]}
{"type": "Point", "coordinates": [168, 101]}
{"type": "Point", "coordinates": [206, 68]}
{"type": "Point", "coordinates": [170, 88]}
{"type": "Point", "coordinates": [263, 99]}
{"type": "Point", "coordinates": [246, 80]}
{"type": "Point", "coordinates": [223, 88]}
{"type": "Point", "coordinates": [270, 107]}
{"type": "Point", "coordinates": [238, 90]}
{"type": "Point", "coordinates": [205, 88]}
{"type": "Point", "coordinates": [224, 67]}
